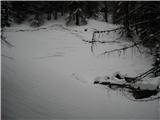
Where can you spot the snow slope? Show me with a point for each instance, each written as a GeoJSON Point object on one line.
{"type": "Point", "coordinates": [49, 74]}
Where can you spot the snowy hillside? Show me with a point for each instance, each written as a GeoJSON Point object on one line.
{"type": "Point", "coordinates": [49, 74]}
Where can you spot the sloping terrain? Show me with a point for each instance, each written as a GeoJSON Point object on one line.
{"type": "Point", "coordinates": [49, 74]}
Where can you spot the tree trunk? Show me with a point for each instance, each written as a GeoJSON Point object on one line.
{"type": "Point", "coordinates": [106, 12]}
{"type": "Point", "coordinates": [62, 12]}
{"type": "Point", "coordinates": [49, 16]}
{"type": "Point", "coordinates": [55, 15]}
{"type": "Point", "coordinates": [7, 18]}
{"type": "Point", "coordinates": [114, 14]}
{"type": "Point", "coordinates": [77, 17]}
{"type": "Point", "coordinates": [126, 19]}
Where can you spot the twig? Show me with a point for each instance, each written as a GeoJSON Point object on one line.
{"type": "Point", "coordinates": [132, 11]}
{"type": "Point", "coordinates": [103, 31]}
{"type": "Point", "coordinates": [88, 41]}
{"type": "Point", "coordinates": [122, 27]}
{"type": "Point", "coordinates": [3, 38]}
{"type": "Point", "coordinates": [110, 85]}
{"type": "Point", "coordinates": [145, 73]}
{"type": "Point", "coordinates": [133, 45]}
{"type": "Point", "coordinates": [120, 49]}
{"type": "Point", "coordinates": [146, 100]}
{"type": "Point", "coordinates": [139, 23]}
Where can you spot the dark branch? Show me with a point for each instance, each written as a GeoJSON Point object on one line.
{"type": "Point", "coordinates": [112, 30]}
{"type": "Point", "coordinates": [132, 11]}
{"type": "Point", "coordinates": [150, 71]}
{"type": "Point", "coordinates": [146, 100]}
{"type": "Point", "coordinates": [94, 41]}
{"type": "Point", "coordinates": [3, 38]}
{"type": "Point", "coordinates": [122, 27]}
{"type": "Point", "coordinates": [111, 85]}
{"type": "Point", "coordinates": [137, 93]}
{"type": "Point", "coordinates": [122, 49]}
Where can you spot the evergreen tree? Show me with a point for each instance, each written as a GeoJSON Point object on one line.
{"type": "Point", "coordinates": [77, 12]}
{"type": "Point", "coordinates": [106, 11]}
{"type": "Point", "coordinates": [6, 11]}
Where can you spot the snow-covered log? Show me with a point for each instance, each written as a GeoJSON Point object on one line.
{"type": "Point", "coordinates": [139, 89]}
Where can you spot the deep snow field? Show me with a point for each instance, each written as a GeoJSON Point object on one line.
{"type": "Point", "coordinates": [49, 74]}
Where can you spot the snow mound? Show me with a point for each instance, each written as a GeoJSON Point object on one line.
{"type": "Point", "coordinates": [148, 83]}
{"type": "Point", "coordinates": [114, 78]}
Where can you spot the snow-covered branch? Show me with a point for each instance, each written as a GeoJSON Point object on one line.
{"type": "Point", "coordinates": [139, 89]}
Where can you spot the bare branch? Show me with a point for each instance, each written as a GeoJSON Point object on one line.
{"type": "Point", "coordinates": [103, 31]}
{"type": "Point", "coordinates": [122, 49]}
{"type": "Point", "coordinates": [114, 41]}
{"type": "Point", "coordinates": [150, 71]}
{"type": "Point", "coordinates": [132, 11]}
{"type": "Point", "coordinates": [122, 27]}
{"type": "Point", "coordinates": [111, 85]}
{"type": "Point", "coordinates": [146, 100]}
{"type": "Point", "coordinates": [3, 38]}
{"type": "Point", "coordinates": [139, 23]}
{"type": "Point", "coordinates": [131, 46]}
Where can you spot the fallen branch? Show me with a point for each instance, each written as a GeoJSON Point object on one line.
{"type": "Point", "coordinates": [103, 31]}
{"type": "Point", "coordinates": [3, 38]}
{"type": "Point", "coordinates": [146, 73]}
{"type": "Point", "coordinates": [111, 85]}
{"type": "Point", "coordinates": [137, 93]}
{"type": "Point", "coordinates": [7, 43]}
{"type": "Point", "coordinates": [146, 100]}
{"type": "Point", "coordinates": [122, 27]}
{"type": "Point", "coordinates": [114, 30]}
{"type": "Point", "coordinates": [132, 11]}
{"type": "Point", "coordinates": [95, 41]}
{"type": "Point", "coordinates": [131, 46]}
{"type": "Point", "coordinates": [121, 49]}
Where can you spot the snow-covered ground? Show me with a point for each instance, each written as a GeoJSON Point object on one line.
{"type": "Point", "coordinates": [49, 74]}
